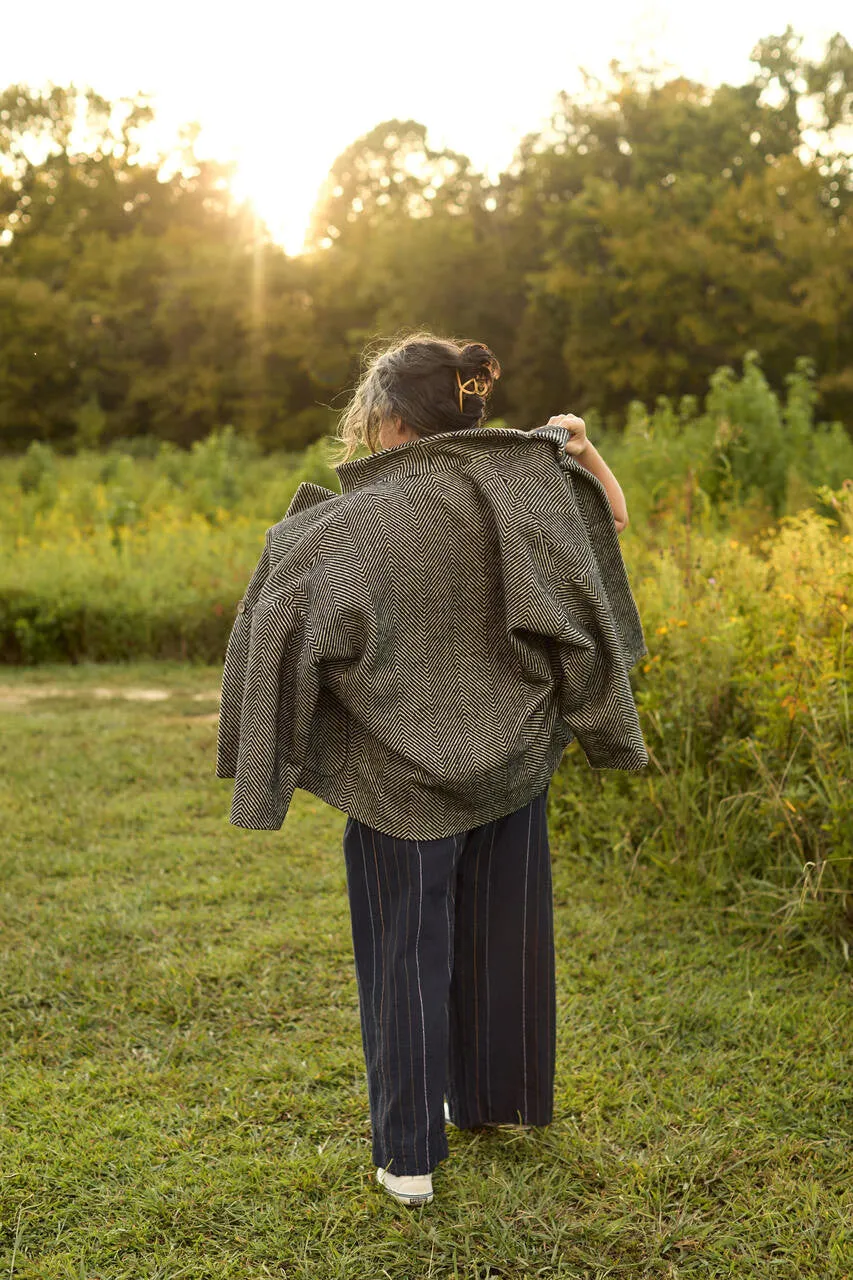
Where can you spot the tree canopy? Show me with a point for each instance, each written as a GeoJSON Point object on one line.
{"type": "Point", "coordinates": [657, 230]}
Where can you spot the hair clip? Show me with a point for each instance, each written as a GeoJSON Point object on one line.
{"type": "Point", "coordinates": [480, 385]}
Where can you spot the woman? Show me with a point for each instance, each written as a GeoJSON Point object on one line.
{"type": "Point", "coordinates": [419, 650]}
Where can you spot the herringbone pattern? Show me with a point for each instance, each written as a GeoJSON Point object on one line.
{"type": "Point", "coordinates": [420, 649]}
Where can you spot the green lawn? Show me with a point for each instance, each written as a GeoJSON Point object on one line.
{"type": "Point", "coordinates": [182, 1089]}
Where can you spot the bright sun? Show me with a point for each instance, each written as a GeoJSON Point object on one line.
{"type": "Point", "coordinates": [283, 193]}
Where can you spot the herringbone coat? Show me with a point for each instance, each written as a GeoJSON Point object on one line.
{"type": "Point", "coordinates": [419, 649]}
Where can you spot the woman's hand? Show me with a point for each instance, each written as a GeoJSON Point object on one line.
{"type": "Point", "coordinates": [585, 450]}
{"type": "Point", "coordinates": [578, 442]}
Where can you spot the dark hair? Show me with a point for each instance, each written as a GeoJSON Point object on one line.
{"type": "Point", "coordinates": [414, 377]}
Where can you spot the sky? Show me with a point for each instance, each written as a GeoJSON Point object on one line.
{"type": "Point", "coordinates": [283, 88]}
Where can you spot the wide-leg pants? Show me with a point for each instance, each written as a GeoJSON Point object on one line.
{"type": "Point", "coordinates": [453, 941]}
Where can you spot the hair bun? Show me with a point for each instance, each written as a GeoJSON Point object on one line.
{"type": "Point", "coordinates": [478, 359]}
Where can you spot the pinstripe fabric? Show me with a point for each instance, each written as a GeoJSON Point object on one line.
{"type": "Point", "coordinates": [454, 954]}
{"type": "Point", "coordinates": [420, 649]}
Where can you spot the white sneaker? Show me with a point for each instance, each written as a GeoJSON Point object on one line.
{"type": "Point", "coordinates": [410, 1189]}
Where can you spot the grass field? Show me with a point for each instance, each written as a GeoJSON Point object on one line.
{"type": "Point", "coordinates": [182, 1090]}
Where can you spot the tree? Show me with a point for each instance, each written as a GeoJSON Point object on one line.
{"type": "Point", "coordinates": [657, 230]}
{"type": "Point", "coordinates": [388, 175]}
{"type": "Point", "coordinates": [679, 228]}
{"type": "Point", "coordinates": [184, 315]}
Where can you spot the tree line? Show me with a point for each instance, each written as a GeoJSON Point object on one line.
{"type": "Point", "coordinates": [655, 232]}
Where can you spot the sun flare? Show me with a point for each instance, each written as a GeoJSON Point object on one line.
{"type": "Point", "coordinates": [282, 194]}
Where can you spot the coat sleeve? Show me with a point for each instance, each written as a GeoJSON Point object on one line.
{"type": "Point", "coordinates": [234, 670]}
{"type": "Point", "coordinates": [236, 656]}
{"type": "Point", "coordinates": [308, 631]}
{"type": "Point", "coordinates": [596, 700]}
{"type": "Point", "coordinates": [589, 497]}
{"type": "Point", "coordinates": [564, 629]}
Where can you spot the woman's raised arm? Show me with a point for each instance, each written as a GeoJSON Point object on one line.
{"type": "Point", "coordinates": [588, 456]}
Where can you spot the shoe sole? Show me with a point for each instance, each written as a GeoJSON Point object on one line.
{"type": "Point", "coordinates": [409, 1200]}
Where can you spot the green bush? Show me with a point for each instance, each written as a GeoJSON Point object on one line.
{"type": "Point", "coordinates": [745, 452]}
{"type": "Point", "coordinates": [744, 699]}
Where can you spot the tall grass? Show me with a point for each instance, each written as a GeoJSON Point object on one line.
{"type": "Point", "coordinates": [116, 557]}
{"type": "Point", "coordinates": [744, 699]}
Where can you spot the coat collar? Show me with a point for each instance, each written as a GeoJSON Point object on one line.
{"type": "Point", "coordinates": [413, 456]}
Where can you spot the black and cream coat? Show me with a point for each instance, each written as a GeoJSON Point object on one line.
{"type": "Point", "coordinates": [420, 649]}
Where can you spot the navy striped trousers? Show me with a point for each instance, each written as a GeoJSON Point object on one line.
{"type": "Point", "coordinates": [453, 941]}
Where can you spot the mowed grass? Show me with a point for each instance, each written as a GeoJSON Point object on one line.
{"type": "Point", "coordinates": [182, 1083]}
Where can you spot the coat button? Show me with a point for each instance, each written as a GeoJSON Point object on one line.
{"type": "Point", "coordinates": [241, 605]}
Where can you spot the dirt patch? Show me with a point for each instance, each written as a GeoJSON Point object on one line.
{"type": "Point", "coordinates": [212, 718]}
{"type": "Point", "coordinates": [18, 695]}
{"type": "Point", "coordinates": [132, 695]}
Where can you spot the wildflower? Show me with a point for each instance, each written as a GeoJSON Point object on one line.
{"type": "Point", "coordinates": [661, 630]}
{"type": "Point", "coordinates": [682, 622]}
{"type": "Point", "coordinates": [647, 666]}
{"type": "Point", "coordinates": [713, 581]}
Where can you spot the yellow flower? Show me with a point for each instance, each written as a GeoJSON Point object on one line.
{"type": "Point", "coordinates": [734, 542]}
{"type": "Point", "coordinates": [647, 666]}
{"type": "Point", "coordinates": [682, 622]}
{"type": "Point", "coordinates": [662, 630]}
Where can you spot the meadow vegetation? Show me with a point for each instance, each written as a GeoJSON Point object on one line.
{"type": "Point", "coordinates": [740, 554]}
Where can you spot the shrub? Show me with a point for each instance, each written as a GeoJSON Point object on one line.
{"type": "Point", "coordinates": [744, 700]}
